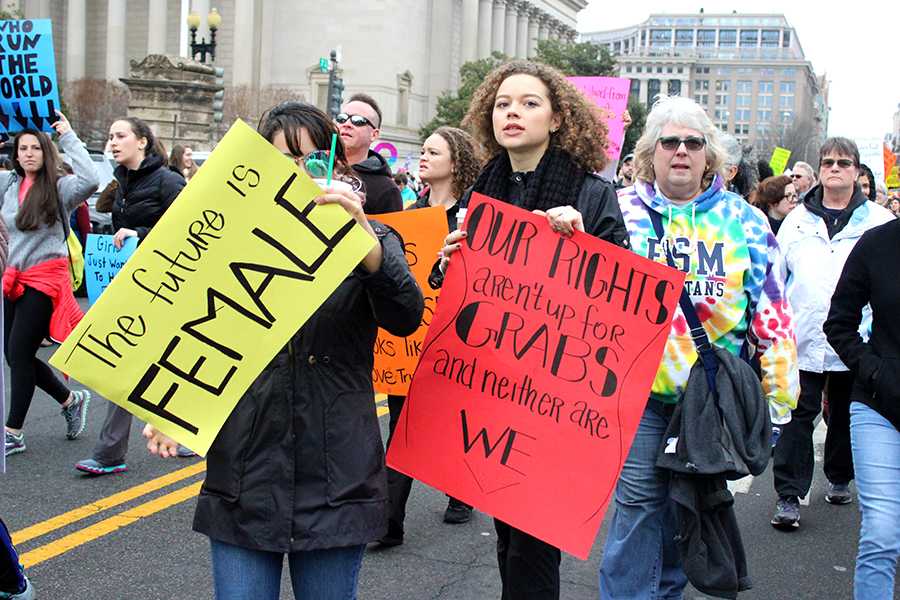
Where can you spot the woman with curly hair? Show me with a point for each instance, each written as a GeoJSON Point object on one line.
{"type": "Point", "coordinates": [776, 196]}
{"type": "Point", "coordinates": [545, 143]}
{"type": "Point", "coordinates": [449, 164]}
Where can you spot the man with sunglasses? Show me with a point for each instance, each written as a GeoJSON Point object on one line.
{"type": "Point", "coordinates": [359, 123]}
{"type": "Point", "coordinates": [815, 240]}
{"type": "Point", "coordinates": [804, 177]}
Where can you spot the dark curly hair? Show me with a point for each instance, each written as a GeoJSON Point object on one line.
{"type": "Point", "coordinates": [586, 145]}
{"type": "Point", "coordinates": [465, 155]}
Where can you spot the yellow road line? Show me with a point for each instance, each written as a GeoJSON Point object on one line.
{"type": "Point", "coordinates": [45, 527]}
{"type": "Point", "coordinates": [107, 526]}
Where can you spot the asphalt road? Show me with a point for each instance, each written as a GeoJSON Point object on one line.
{"type": "Point", "coordinates": [142, 547]}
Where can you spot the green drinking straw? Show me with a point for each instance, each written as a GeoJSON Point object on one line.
{"type": "Point", "coordinates": [331, 160]}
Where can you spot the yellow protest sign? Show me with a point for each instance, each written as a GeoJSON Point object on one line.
{"type": "Point", "coordinates": [893, 180]}
{"type": "Point", "coordinates": [779, 159]}
{"type": "Point", "coordinates": [423, 232]}
{"type": "Point", "coordinates": [233, 269]}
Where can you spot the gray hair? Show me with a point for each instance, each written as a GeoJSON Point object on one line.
{"type": "Point", "coordinates": [676, 110]}
{"type": "Point", "coordinates": [807, 168]}
{"type": "Point", "coordinates": [734, 153]}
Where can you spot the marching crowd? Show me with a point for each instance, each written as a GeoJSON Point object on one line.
{"type": "Point", "coordinates": [794, 288]}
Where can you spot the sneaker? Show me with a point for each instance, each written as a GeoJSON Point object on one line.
{"type": "Point", "coordinates": [838, 493]}
{"type": "Point", "coordinates": [457, 512]}
{"type": "Point", "coordinates": [14, 443]}
{"type": "Point", "coordinates": [185, 452]}
{"type": "Point", "coordinates": [76, 413]}
{"type": "Point", "coordinates": [787, 513]}
{"type": "Point", "coordinates": [93, 467]}
{"type": "Point", "coordinates": [26, 594]}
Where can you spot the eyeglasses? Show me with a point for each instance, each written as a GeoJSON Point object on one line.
{"type": "Point", "coordinates": [797, 176]}
{"type": "Point", "coordinates": [792, 198]}
{"type": "Point", "coordinates": [844, 163]}
{"type": "Point", "coordinates": [316, 166]}
{"type": "Point", "coordinates": [692, 143]}
{"type": "Point", "coordinates": [355, 120]}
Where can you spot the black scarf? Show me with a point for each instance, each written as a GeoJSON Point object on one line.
{"type": "Point", "coordinates": [557, 181]}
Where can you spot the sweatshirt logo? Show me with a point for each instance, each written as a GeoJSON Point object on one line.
{"type": "Point", "coordinates": [705, 266]}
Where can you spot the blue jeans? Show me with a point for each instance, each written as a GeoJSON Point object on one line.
{"type": "Point", "coordinates": [243, 574]}
{"type": "Point", "coordinates": [640, 557]}
{"type": "Point", "coordinates": [876, 456]}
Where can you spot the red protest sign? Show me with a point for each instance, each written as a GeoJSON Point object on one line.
{"type": "Point", "coordinates": [534, 373]}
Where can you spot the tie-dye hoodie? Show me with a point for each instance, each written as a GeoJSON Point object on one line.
{"type": "Point", "coordinates": [734, 278]}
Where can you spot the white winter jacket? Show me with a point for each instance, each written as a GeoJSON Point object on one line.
{"type": "Point", "coordinates": [813, 264]}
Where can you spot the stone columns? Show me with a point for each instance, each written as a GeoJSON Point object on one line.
{"type": "Point", "coordinates": [469, 30]}
{"type": "Point", "coordinates": [522, 31]}
{"type": "Point", "coordinates": [544, 28]}
{"type": "Point", "coordinates": [498, 26]}
{"type": "Point", "coordinates": [485, 14]}
{"type": "Point", "coordinates": [242, 69]}
{"type": "Point", "coordinates": [509, 39]}
{"type": "Point", "coordinates": [76, 51]}
{"type": "Point", "coordinates": [534, 16]}
{"type": "Point", "coordinates": [115, 39]}
{"type": "Point", "coordinates": [156, 27]}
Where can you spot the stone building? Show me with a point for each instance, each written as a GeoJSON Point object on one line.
{"type": "Point", "coordinates": [404, 53]}
{"type": "Point", "coordinates": [748, 70]}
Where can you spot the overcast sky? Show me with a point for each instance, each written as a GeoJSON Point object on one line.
{"type": "Point", "coordinates": [856, 43]}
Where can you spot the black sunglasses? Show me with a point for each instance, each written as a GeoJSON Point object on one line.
{"type": "Point", "coordinates": [692, 143]}
{"type": "Point", "coordinates": [844, 163]}
{"type": "Point", "coordinates": [355, 120]}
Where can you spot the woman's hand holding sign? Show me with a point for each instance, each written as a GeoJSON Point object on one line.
{"type": "Point", "coordinates": [352, 203]}
{"type": "Point", "coordinates": [452, 243]}
{"type": "Point", "coordinates": [159, 443]}
{"type": "Point", "coordinates": [564, 220]}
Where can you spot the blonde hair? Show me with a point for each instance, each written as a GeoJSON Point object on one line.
{"type": "Point", "coordinates": [684, 112]}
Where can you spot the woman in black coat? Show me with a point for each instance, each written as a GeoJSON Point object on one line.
{"type": "Point", "coordinates": [298, 468]}
{"type": "Point", "coordinates": [874, 400]}
{"type": "Point", "coordinates": [546, 142]}
{"type": "Point", "coordinates": [146, 188]}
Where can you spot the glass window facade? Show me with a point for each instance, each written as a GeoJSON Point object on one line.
{"type": "Point", "coordinates": [660, 38]}
{"type": "Point", "coordinates": [749, 38]}
{"type": "Point", "coordinates": [684, 37]}
{"type": "Point", "coordinates": [727, 38]}
{"type": "Point", "coordinates": [652, 91]}
{"type": "Point", "coordinates": [674, 87]}
{"type": "Point", "coordinates": [706, 38]}
{"type": "Point", "coordinates": [770, 38]}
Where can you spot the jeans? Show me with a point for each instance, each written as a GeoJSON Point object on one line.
{"type": "Point", "coordinates": [242, 574]}
{"type": "Point", "coordinates": [876, 454]}
{"type": "Point", "coordinates": [529, 568]}
{"type": "Point", "coordinates": [12, 581]}
{"type": "Point", "coordinates": [794, 455]}
{"type": "Point", "coordinates": [640, 558]}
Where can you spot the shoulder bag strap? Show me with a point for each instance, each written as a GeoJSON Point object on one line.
{"type": "Point", "coordinates": [698, 334]}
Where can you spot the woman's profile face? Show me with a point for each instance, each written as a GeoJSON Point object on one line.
{"type": "Point", "coordinates": [30, 154]}
{"type": "Point", "coordinates": [523, 114]}
{"type": "Point", "coordinates": [187, 159]}
{"type": "Point", "coordinates": [435, 162]}
{"type": "Point", "coordinates": [124, 144]}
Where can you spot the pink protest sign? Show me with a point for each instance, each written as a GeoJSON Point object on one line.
{"type": "Point", "coordinates": [610, 94]}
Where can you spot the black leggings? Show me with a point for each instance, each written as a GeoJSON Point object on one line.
{"type": "Point", "coordinates": [26, 324]}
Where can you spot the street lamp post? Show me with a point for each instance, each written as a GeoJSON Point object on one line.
{"type": "Point", "coordinates": [213, 19]}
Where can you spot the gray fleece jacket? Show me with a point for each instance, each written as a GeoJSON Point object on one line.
{"type": "Point", "coordinates": [29, 248]}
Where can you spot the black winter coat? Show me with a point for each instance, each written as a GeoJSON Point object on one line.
{"type": "Point", "coordinates": [144, 194]}
{"type": "Point", "coordinates": [867, 279]}
{"type": "Point", "coordinates": [299, 464]}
